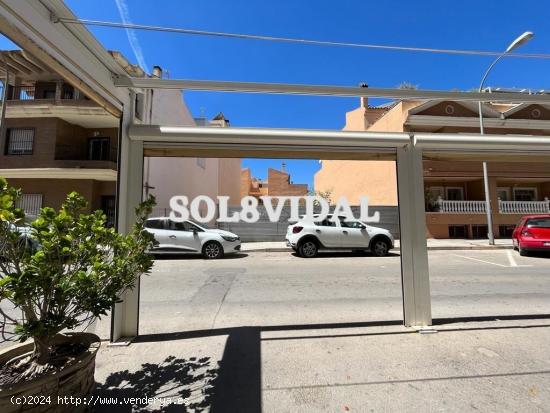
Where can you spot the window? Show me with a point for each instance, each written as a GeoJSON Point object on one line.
{"type": "Point", "coordinates": [458, 231]}
{"type": "Point", "coordinates": [326, 223]}
{"type": "Point", "coordinates": [108, 206]}
{"type": "Point", "coordinates": [503, 193]}
{"type": "Point", "coordinates": [30, 203]}
{"type": "Point", "coordinates": [454, 193]}
{"type": "Point", "coordinates": [525, 194]}
{"type": "Point", "coordinates": [538, 223]}
{"type": "Point", "coordinates": [505, 231]}
{"type": "Point", "coordinates": [183, 226]}
{"type": "Point", "coordinates": [99, 149]}
{"type": "Point", "coordinates": [351, 224]}
{"type": "Point", "coordinates": [436, 192]}
{"type": "Point", "coordinates": [20, 141]}
{"type": "Point", "coordinates": [154, 224]}
{"type": "Point", "coordinates": [479, 231]}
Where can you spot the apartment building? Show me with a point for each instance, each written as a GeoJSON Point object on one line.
{"type": "Point", "coordinates": [454, 188]}
{"type": "Point", "coordinates": [56, 140]}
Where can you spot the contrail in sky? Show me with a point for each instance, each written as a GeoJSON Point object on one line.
{"type": "Point", "coordinates": [132, 37]}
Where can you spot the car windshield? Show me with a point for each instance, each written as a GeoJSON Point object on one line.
{"type": "Point", "coordinates": [538, 223]}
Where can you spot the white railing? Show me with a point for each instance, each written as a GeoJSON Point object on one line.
{"type": "Point", "coordinates": [524, 207]}
{"type": "Point", "coordinates": [460, 207]}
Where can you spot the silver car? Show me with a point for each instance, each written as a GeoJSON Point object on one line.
{"type": "Point", "coordinates": [190, 237]}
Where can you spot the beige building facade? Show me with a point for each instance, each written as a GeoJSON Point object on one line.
{"type": "Point", "coordinates": [454, 196]}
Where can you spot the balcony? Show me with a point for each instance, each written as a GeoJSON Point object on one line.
{"type": "Point", "coordinates": [459, 207]}
{"type": "Point", "coordinates": [524, 207]}
{"type": "Point", "coordinates": [100, 155]}
{"type": "Point", "coordinates": [44, 92]}
{"type": "Point", "coordinates": [444, 206]}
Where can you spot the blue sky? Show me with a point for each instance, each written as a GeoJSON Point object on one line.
{"type": "Point", "coordinates": [468, 24]}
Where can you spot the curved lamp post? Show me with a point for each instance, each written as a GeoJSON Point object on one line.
{"type": "Point", "coordinates": [524, 38]}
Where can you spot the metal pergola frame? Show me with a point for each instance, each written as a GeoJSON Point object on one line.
{"type": "Point", "coordinates": [83, 61]}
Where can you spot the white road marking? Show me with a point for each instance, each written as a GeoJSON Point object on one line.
{"type": "Point", "coordinates": [511, 259]}
{"type": "Point", "coordinates": [477, 259]}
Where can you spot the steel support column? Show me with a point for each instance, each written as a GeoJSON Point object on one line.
{"type": "Point", "coordinates": [414, 253]}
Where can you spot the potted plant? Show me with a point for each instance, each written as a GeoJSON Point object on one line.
{"type": "Point", "coordinates": [57, 275]}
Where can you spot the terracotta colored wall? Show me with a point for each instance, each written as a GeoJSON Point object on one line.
{"type": "Point", "coordinates": [45, 130]}
{"type": "Point", "coordinates": [279, 185]}
{"type": "Point", "coordinates": [54, 191]}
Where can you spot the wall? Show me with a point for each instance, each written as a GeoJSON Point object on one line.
{"type": "Point", "coordinates": [43, 155]}
{"type": "Point", "coordinates": [353, 179]}
{"type": "Point", "coordinates": [229, 179]}
{"type": "Point", "coordinates": [264, 230]}
{"type": "Point", "coordinates": [54, 191]}
{"type": "Point", "coordinates": [183, 176]}
{"type": "Point", "coordinates": [279, 185]}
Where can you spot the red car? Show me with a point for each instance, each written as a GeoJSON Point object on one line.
{"type": "Point", "coordinates": [532, 233]}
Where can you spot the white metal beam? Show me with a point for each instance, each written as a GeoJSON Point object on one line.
{"type": "Point", "coordinates": [413, 244]}
{"type": "Point", "coordinates": [287, 138]}
{"type": "Point", "coordinates": [321, 90]}
{"type": "Point", "coordinates": [125, 317]}
{"type": "Point", "coordinates": [482, 143]}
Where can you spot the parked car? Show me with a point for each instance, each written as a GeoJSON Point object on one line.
{"type": "Point", "coordinates": [532, 233]}
{"type": "Point", "coordinates": [307, 237]}
{"type": "Point", "coordinates": [25, 238]}
{"type": "Point", "coordinates": [190, 237]}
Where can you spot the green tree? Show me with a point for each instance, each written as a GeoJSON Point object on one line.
{"type": "Point", "coordinates": [66, 270]}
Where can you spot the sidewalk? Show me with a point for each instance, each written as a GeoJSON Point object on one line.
{"type": "Point", "coordinates": [486, 366]}
{"type": "Point", "coordinates": [433, 244]}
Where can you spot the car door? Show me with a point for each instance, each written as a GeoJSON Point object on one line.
{"type": "Point", "coordinates": [354, 234]}
{"type": "Point", "coordinates": [329, 233]}
{"type": "Point", "coordinates": [183, 236]}
{"type": "Point", "coordinates": [157, 227]}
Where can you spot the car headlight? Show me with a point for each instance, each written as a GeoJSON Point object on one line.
{"type": "Point", "coordinates": [230, 238]}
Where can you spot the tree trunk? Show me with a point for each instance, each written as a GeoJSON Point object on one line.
{"type": "Point", "coordinates": [42, 350]}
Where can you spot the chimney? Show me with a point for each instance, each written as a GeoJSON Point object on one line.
{"type": "Point", "coordinates": [364, 99]}
{"type": "Point", "coordinates": [157, 72]}
{"type": "Point", "coordinates": [283, 167]}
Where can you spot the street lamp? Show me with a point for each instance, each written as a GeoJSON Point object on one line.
{"type": "Point", "coordinates": [524, 38]}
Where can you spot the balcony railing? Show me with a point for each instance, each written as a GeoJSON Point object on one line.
{"type": "Point", "coordinates": [460, 207]}
{"type": "Point", "coordinates": [26, 93]}
{"type": "Point", "coordinates": [478, 207]}
{"type": "Point", "coordinates": [524, 207]}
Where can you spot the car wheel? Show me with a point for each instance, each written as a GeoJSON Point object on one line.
{"type": "Point", "coordinates": [308, 249]}
{"type": "Point", "coordinates": [380, 247]}
{"type": "Point", "coordinates": [212, 250]}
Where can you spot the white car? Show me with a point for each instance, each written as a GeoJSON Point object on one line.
{"type": "Point", "coordinates": [307, 237]}
{"type": "Point", "coordinates": [189, 237]}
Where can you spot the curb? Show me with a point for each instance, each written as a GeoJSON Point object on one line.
{"type": "Point", "coordinates": [449, 248]}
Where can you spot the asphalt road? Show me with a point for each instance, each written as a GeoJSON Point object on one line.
{"type": "Point", "coordinates": [278, 288]}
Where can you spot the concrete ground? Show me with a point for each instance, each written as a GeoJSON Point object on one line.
{"type": "Point", "coordinates": [274, 332]}
{"type": "Point", "coordinates": [279, 288]}
{"type": "Point", "coordinates": [493, 366]}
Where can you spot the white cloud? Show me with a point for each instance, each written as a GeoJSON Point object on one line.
{"type": "Point", "coordinates": [132, 37]}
